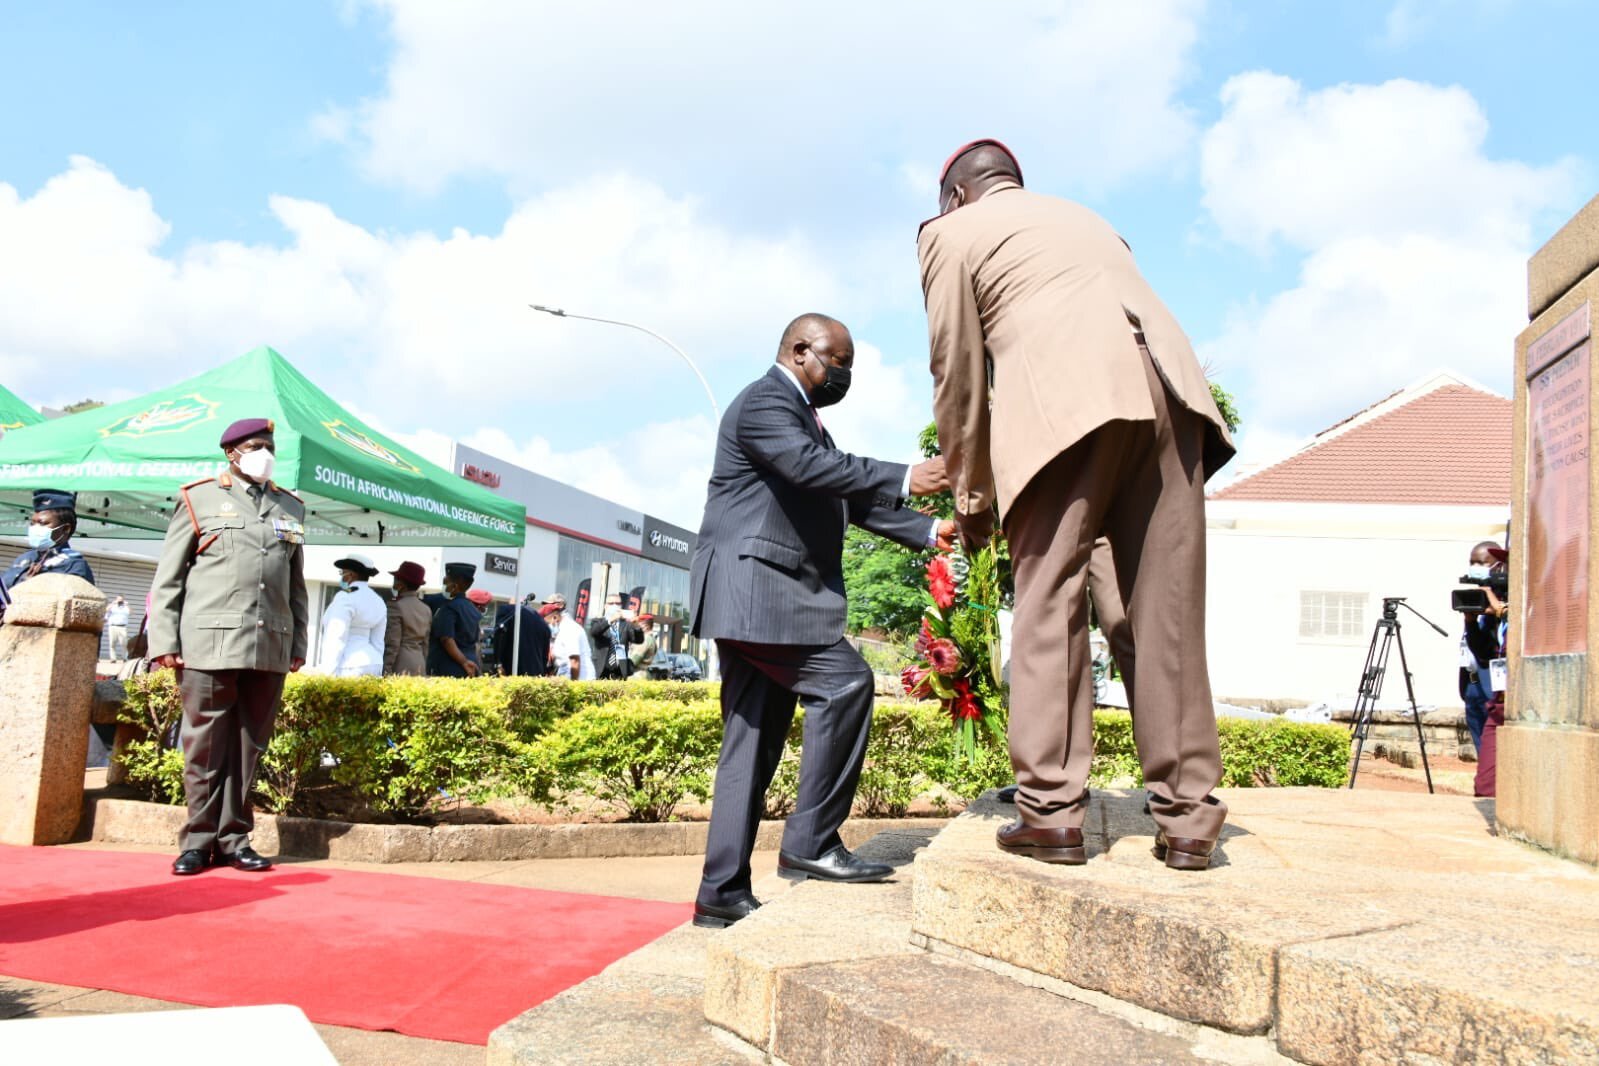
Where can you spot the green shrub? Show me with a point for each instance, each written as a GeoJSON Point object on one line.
{"type": "Point", "coordinates": [400, 743]}
{"type": "Point", "coordinates": [896, 771]}
{"type": "Point", "coordinates": [641, 756]}
{"type": "Point", "coordinates": [1283, 754]}
{"type": "Point", "coordinates": [153, 706]}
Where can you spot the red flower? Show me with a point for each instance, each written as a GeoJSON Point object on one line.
{"type": "Point", "coordinates": [944, 656]}
{"type": "Point", "coordinates": [914, 678]}
{"type": "Point", "coordinates": [924, 638]}
{"type": "Point", "coordinates": [964, 705]}
{"type": "Point", "coordinates": [941, 583]}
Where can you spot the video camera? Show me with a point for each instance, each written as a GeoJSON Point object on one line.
{"type": "Point", "coordinates": [1475, 600]}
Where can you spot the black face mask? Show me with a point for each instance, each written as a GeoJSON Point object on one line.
{"type": "Point", "coordinates": [833, 389]}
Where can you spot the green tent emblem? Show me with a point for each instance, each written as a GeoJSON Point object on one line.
{"type": "Point", "coordinates": [168, 416]}
{"type": "Point", "coordinates": [366, 445]}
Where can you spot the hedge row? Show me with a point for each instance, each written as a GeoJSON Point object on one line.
{"type": "Point", "coordinates": [643, 747]}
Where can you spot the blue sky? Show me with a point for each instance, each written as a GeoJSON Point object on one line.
{"type": "Point", "coordinates": [1334, 199]}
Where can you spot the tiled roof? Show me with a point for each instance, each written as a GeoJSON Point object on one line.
{"type": "Point", "coordinates": [1448, 446]}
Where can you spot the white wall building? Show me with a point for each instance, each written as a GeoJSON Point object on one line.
{"type": "Point", "coordinates": [1387, 503]}
{"type": "Point", "coordinates": [569, 531]}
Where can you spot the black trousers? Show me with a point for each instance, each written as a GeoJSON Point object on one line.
{"type": "Point", "coordinates": [227, 721]}
{"type": "Point", "coordinates": [760, 683]}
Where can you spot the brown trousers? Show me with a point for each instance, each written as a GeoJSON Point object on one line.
{"type": "Point", "coordinates": [1111, 611]}
{"type": "Point", "coordinates": [1142, 486]}
{"type": "Point", "coordinates": [227, 721]}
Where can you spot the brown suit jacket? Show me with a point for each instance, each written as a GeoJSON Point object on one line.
{"type": "Point", "coordinates": [1040, 293]}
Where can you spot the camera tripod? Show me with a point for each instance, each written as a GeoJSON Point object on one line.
{"type": "Point", "coordinates": [1383, 638]}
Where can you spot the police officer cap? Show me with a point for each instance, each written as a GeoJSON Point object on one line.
{"type": "Point", "coordinates": [466, 570]}
{"type": "Point", "coordinates": [244, 429]}
{"type": "Point", "coordinates": [54, 500]}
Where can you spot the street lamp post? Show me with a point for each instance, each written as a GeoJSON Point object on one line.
{"type": "Point", "coordinates": [560, 313]}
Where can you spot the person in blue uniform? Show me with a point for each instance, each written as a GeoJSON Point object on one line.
{"type": "Point", "coordinates": [50, 551]}
{"type": "Point", "coordinates": [452, 641]}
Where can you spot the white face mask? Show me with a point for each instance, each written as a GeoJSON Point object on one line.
{"type": "Point", "coordinates": [40, 536]}
{"type": "Point", "coordinates": [1477, 572]}
{"type": "Point", "coordinates": [258, 465]}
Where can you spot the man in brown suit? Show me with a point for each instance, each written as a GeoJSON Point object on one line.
{"type": "Point", "coordinates": [1068, 397]}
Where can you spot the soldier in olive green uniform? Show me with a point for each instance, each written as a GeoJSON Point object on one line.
{"type": "Point", "coordinates": [229, 613]}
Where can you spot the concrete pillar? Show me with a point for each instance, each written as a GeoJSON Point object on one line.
{"type": "Point", "coordinates": [1548, 774]}
{"type": "Point", "coordinates": [49, 646]}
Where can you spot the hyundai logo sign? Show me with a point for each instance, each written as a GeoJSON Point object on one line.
{"type": "Point", "coordinates": [669, 542]}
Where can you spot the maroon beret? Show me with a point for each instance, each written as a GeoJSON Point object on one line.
{"type": "Point", "coordinates": [411, 574]}
{"type": "Point", "coordinates": [244, 429]}
{"type": "Point", "coordinates": [963, 149]}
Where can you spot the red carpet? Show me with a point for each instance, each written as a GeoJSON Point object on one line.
{"type": "Point", "coordinates": [449, 960]}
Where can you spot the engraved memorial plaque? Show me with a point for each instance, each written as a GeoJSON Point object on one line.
{"type": "Point", "coordinates": [1558, 389]}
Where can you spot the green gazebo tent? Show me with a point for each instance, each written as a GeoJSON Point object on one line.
{"type": "Point", "coordinates": [14, 414]}
{"type": "Point", "coordinates": [127, 461]}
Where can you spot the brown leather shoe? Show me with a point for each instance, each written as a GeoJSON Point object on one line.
{"type": "Point", "coordinates": [1061, 844]}
{"type": "Point", "coordinates": [1183, 853]}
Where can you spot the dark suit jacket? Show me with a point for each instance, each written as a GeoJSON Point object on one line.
{"type": "Point", "coordinates": [599, 631]}
{"type": "Point", "coordinates": [768, 567]}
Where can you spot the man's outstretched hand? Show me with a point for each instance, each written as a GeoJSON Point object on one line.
{"type": "Point", "coordinates": [928, 477]}
{"type": "Point", "coordinates": [946, 536]}
{"type": "Point", "coordinates": [975, 529]}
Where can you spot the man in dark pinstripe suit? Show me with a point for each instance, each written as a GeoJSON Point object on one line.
{"type": "Point", "coordinates": [768, 586]}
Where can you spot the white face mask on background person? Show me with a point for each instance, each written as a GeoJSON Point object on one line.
{"type": "Point", "coordinates": [40, 536]}
{"type": "Point", "coordinates": [1477, 572]}
{"type": "Point", "coordinates": [258, 465]}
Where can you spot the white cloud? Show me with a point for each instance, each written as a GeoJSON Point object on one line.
{"type": "Point", "coordinates": [1415, 242]}
{"type": "Point", "coordinates": [415, 329]}
{"type": "Point", "coordinates": [775, 108]}
{"type": "Point", "coordinates": [1402, 157]}
{"type": "Point", "coordinates": [660, 468]}
{"type": "Point", "coordinates": [412, 321]}
{"type": "Point", "coordinates": [1408, 21]}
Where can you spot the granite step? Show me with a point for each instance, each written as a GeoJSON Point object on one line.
{"type": "Point", "coordinates": [1338, 926]}
{"type": "Point", "coordinates": [651, 1006]}
{"type": "Point", "coordinates": [927, 1011]}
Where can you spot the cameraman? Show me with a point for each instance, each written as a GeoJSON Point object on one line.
{"type": "Point", "coordinates": [1480, 643]}
{"type": "Point", "coordinates": [1498, 616]}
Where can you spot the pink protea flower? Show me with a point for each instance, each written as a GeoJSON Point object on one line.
{"type": "Point", "coordinates": [940, 582]}
{"type": "Point", "coordinates": [943, 656]}
{"type": "Point", "coordinates": [924, 638]}
{"type": "Point", "coordinates": [914, 678]}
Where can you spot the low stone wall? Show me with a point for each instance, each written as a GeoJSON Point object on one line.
{"type": "Point", "coordinates": [121, 821]}
{"type": "Point", "coordinates": [1393, 735]}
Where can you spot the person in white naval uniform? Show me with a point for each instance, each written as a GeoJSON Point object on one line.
{"type": "Point", "coordinates": [354, 624]}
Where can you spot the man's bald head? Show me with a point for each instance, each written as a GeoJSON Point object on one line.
{"type": "Point", "coordinates": [807, 328]}
{"type": "Point", "coordinates": [812, 343]}
{"type": "Point", "coordinates": [973, 172]}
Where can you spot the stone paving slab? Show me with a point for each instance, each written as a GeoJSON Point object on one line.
{"type": "Point", "coordinates": [617, 1019]}
{"type": "Point", "coordinates": [1345, 921]}
{"type": "Point", "coordinates": [927, 1011]}
{"type": "Point", "coordinates": [1491, 988]}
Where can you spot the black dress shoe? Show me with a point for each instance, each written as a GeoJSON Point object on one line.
{"type": "Point", "coordinates": [835, 865]}
{"type": "Point", "coordinates": [191, 862]}
{"type": "Point", "coordinates": [710, 916]}
{"type": "Point", "coordinates": [1006, 794]}
{"type": "Point", "coordinates": [245, 859]}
